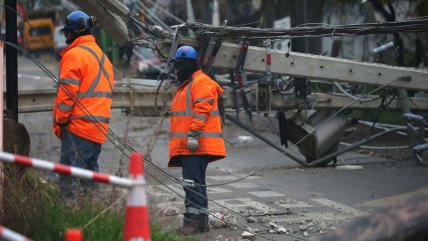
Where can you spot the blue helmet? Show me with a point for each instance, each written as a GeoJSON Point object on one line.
{"type": "Point", "coordinates": [186, 52]}
{"type": "Point", "coordinates": [79, 21]}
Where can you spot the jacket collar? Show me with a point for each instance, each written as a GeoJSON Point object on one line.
{"type": "Point", "coordinates": [196, 73]}
{"type": "Point", "coordinates": [78, 41]}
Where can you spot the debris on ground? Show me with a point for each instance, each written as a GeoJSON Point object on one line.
{"type": "Point", "coordinates": [169, 211]}
{"type": "Point", "coordinates": [350, 167]}
{"type": "Point", "coordinates": [248, 236]}
{"type": "Point", "coordinates": [245, 139]}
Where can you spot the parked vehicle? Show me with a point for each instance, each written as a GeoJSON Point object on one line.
{"type": "Point", "coordinates": [38, 34]}
{"type": "Point", "coordinates": [39, 29]}
{"type": "Point", "coordinates": [145, 63]}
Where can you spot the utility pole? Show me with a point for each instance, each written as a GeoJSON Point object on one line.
{"type": "Point", "coordinates": [1, 120]}
{"type": "Point", "coordinates": [11, 59]}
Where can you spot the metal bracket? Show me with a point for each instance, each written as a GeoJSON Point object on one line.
{"type": "Point", "coordinates": [268, 45]}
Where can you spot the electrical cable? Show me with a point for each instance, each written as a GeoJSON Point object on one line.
{"type": "Point", "coordinates": [382, 108]}
{"type": "Point", "coordinates": [130, 148]}
{"type": "Point", "coordinates": [377, 147]}
{"type": "Point", "coordinates": [161, 182]}
{"type": "Point", "coordinates": [166, 12]}
{"type": "Point", "coordinates": [127, 146]}
{"type": "Point", "coordinates": [153, 17]}
{"type": "Point", "coordinates": [394, 80]}
{"type": "Point", "coordinates": [84, 109]}
{"type": "Point", "coordinates": [411, 25]}
{"type": "Point", "coordinates": [111, 133]}
{"type": "Point", "coordinates": [354, 97]}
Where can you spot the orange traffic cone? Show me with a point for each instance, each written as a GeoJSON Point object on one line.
{"type": "Point", "coordinates": [73, 234]}
{"type": "Point", "coordinates": [137, 226]}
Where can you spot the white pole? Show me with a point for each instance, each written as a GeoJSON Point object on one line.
{"type": "Point", "coordinates": [1, 109]}
{"type": "Point", "coordinates": [1, 93]}
{"type": "Point", "coordinates": [216, 13]}
{"type": "Point", "coordinates": [190, 13]}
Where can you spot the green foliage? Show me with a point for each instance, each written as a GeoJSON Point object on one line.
{"type": "Point", "coordinates": [58, 218]}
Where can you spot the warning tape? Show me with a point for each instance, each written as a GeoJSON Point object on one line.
{"type": "Point", "coordinates": [69, 170]}
{"type": "Point", "coordinates": [9, 235]}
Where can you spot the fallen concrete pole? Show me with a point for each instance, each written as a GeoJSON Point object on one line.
{"type": "Point", "coordinates": [144, 99]}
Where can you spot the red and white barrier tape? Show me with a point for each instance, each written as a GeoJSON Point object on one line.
{"type": "Point", "coordinates": [69, 170]}
{"type": "Point", "coordinates": [9, 235]}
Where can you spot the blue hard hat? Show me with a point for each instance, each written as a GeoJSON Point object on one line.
{"type": "Point", "coordinates": [186, 52]}
{"type": "Point", "coordinates": [79, 21]}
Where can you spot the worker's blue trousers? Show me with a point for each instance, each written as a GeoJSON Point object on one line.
{"type": "Point", "coordinates": [77, 152]}
{"type": "Point", "coordinates": [196, 202]}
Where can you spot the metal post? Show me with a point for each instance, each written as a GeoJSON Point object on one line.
{"type": "Point", "coordinates": [216, 14]}
{"type": "Point", "coordinates": [305, 17]}
{"type": "Point", "coordinates": [190, 14]}
{"type": "Point", "coordinates": [12, 59]}
{"type": "Point", "coordinates": [1, 94]}
{"type": "Point", "coordinates": [1, 124]}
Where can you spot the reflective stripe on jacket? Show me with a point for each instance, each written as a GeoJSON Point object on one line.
{"type": "Point", "coordinates": [195, 108]}
{"type": "Point", "coordinates": [86, 75]}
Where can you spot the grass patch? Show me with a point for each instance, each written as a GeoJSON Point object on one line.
{"type": "Point", "coordinates": [33, 208]}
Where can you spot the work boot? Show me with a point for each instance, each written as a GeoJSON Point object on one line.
{"type": "Point", "coordinates": [193, 224]}
{"type": "Point", "coordinates": [188, 229]}
{"type": "Point", "coordinates": [203, 226]}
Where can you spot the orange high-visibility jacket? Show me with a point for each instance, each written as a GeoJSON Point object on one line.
{"type": "Point", "coordinates": [195, 108]}
{"type": "Point", "coordinates": [84, 92]}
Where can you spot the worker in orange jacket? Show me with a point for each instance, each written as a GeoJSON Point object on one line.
{"type": "Point", "coordinates": [82, 104]}
{"type": "Point", "coordinates": [195, 135]}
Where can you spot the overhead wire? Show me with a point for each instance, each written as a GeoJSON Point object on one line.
{"type": "Point", "coordinates": [359, 99]}
{"type": "Point", "coordinates": [44, 69]}
{"type": "Point", "coordinates": [124, 144]}
{"type": "Point", "coordinates": [166, 12]}
{"type": "Point", "coordinates": [117, 140]}
{"type": "Point", "coordinates": [154, 18]}
{"type": "Point", "coordinates": [412, 25]}
{"type": "Point", "coordinates": [354, 102]}
{"type": "Point", "coordinates": [130, 148]}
